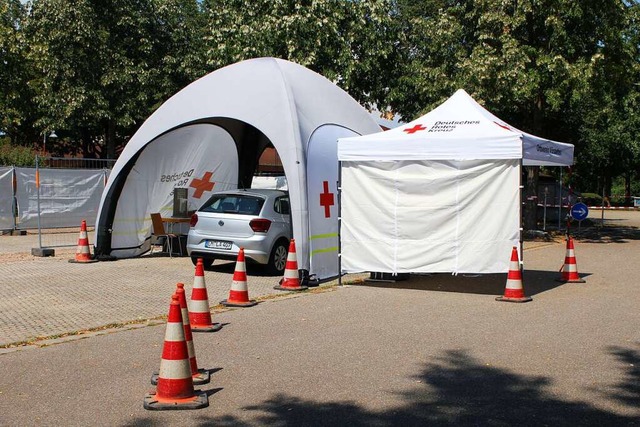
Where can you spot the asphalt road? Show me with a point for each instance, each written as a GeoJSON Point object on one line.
{"type": "Point", "coordinates": [435, 350]}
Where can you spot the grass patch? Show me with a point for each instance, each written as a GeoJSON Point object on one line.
{"type": "Point", "coordinates": [117, 325]}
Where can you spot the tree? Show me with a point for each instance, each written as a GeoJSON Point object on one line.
{"type": "Point", "coordinates": [610, 106]}
{"type": "Point", "coordinates": [103, 66]}
{"type": "Point", "coordinates": [350, 42]}
{"type": "Point", "coordinates": [16, 114]}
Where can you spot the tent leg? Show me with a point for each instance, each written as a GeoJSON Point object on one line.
{"type": "Point", "coordinates": [339, 191]}
{"type": "Point", "coordinates": [521, 219]}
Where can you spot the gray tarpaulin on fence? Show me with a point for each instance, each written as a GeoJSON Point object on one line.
{"type": "Point", "coordinates": [67, 196]}
{"type": "Point", "coordinates": [7, 220]}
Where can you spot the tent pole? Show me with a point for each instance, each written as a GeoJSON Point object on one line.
{"type": "Point", "coordinates": [520, 215]}
{"type": "Point", "coordinates": [560, 203]}
{"type": "Point", "coordinates": [339, 189]}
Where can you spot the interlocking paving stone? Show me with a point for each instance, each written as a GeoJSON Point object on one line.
{"type": "Point", "coordinates": [42, 297]}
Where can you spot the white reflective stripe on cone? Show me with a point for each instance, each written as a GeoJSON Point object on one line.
{"type": "Point", "coordinates": [290, 274]}
{"type": "Point", "coordinates": [240, 286]}
{"type": "Point", "coordinates": [198, 306]}
{"type": "Point", "coordinates": [174, 369]}
{"type": "Point", "coordinates": [513, 284]}
{"type": "Point", "coordinates": [175, 332]}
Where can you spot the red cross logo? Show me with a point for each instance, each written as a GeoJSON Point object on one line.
{"type": "Point", "coordinates": [414, 129]}
{"type": "Point", "coordinates": [202, 185]}
{"type": "Point", "coordinates": [326, 199]}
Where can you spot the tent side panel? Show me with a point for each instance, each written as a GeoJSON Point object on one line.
{"type": "Point", "coordinates": [429, 216]}
{"type": "Point", "coordinates": [367, 230]}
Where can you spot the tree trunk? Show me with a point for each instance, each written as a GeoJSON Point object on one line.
{"type": "Point", "coordinates": [531, 198]}
{"type": "Point", "coordinates": [86, 143]}
{"type": "Point", "coordinates": [111, 140]}
{"type": "Point", "coordinates": [627, 189]}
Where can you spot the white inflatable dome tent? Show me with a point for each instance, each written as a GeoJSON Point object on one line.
{"type": "Point", "coordinates": [209, 137]}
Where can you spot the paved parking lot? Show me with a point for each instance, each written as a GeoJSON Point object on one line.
{"type": "Point", "coordinates": [434, 350]}
{"type": "Point", "coordinates": [45, 297]}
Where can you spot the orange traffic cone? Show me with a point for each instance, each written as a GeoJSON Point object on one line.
{"type": "Point", "coordinates": [514, 292]}
{"type": "Point", "coordinates": [200, 376]}
{"type": "Point", "coordinates": [199, 311]}
{"type": "Point", "coordinates": [175, 384]}
{"type": "Point", "coordinates": [239, 295]}
{"type": "Point", "coordinates": [291, 279]}
{"type": "Point", "coordinates": [570, 268]}
{"type": "Point", "coordinates": [83, 253]}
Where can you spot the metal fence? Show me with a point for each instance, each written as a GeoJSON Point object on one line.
{"type": "Point", "coordinates": [53, 198]}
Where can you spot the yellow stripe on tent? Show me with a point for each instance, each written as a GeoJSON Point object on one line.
{"type": "Point", "coordinates": [320, 251]}
{"type": "Point", "coordinates": [323, 236]}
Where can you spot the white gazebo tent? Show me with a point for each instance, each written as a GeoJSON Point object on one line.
{"type": "Point", "coordinates": [208, 137]}
{"type": "Point", "coordinates": [440, 194]}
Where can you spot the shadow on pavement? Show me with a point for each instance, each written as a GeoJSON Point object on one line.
{"type": "Point", "coordinates": [252, 269]}
{"type": "Point", "coordinates": [455, 389]}
{"type": "Point", "coordinates": [617, 234]}
{"type": "Point", "coordinates": [628, 391]}
{"type": "Point", "coordinates": [533, 282]}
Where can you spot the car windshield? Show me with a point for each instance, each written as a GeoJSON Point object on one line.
{"type": "Point", "coordinates": [233, 203]}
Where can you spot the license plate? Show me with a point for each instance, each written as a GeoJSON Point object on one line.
{"type": "Point", "coordinates": [217, 244]}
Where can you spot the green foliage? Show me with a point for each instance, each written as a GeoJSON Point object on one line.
{"type": "Point", "coordinates": [523, 60]}
{"type": "Point", "coordinates": [618, 188]}
{"type": "Point", "coordinates": [16, 112]}
{"type": "Point", "coordinates": [102, 67]}
{"type": "Point", "coordinates": [93, 70]}
{"type": "Point", "coordinates": [350, 42]}
{"type": "Point", "coordinates": [15, 155]}
{"type": "Point", "coordinates": [609, 104]}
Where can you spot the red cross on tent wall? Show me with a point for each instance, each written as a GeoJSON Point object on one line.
{"type": "Point", "coordinates": [326, 199]}
{"type": "Point", "coordinates": [202, 185]}
{"type": "Point", "coordinates": [416, 128]}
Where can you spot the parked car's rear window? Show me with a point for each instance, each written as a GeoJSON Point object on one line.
{"type": "Point", "coordinates": [233, 203]}
{"type": "Point", "coordinates": [281, 205]}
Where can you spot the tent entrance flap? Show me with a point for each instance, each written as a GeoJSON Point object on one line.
{"type": "Point", "coordinates": [322, 177]}
{"type": "Point", "coordinates": [429, 216]}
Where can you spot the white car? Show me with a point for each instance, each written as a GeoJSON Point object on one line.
{"type": "Point", "coordinates": [257, 220]}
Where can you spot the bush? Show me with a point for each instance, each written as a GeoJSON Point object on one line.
{"type": "Point", "coordinates": [16, 155]}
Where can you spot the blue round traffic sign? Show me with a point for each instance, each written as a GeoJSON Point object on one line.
{"type": "Point", "coordinates": [579, 211]}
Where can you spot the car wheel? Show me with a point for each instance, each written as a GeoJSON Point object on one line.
{"type": "Point", "coordinates": [278, 258]}
{"type": "Point", "coordinates": [206, 262]}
